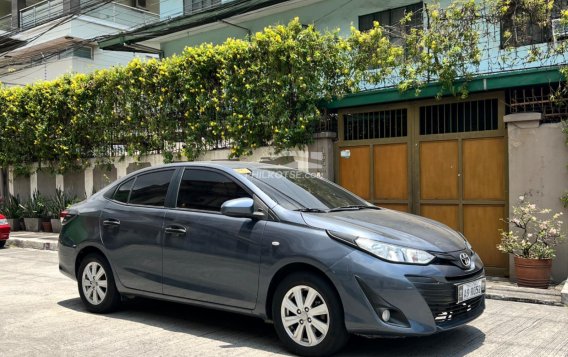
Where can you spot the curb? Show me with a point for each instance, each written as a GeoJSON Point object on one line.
{"type": "Point", "coordinates": [493, 296]}
{"type": "Point", "coordinates": [564, 294]}
{"type": "Point", "coordinates": [39, 244]}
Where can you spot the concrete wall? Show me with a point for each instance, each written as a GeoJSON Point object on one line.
{"type": "Point", "coordinates": [315, 158]}
{"type": "Point", "coordinates": [538, 156]}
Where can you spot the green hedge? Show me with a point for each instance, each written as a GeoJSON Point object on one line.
{"type": "Point", "coordinates": [243, 93]}
{"type": "Point", "coordinates": [246, 93]}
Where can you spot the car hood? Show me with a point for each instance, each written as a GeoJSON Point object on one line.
{"type": "Point", "coordinates": [390, 227]}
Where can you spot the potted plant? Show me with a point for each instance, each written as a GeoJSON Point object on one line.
{"type": "Point", "coordinates": [33, 210]}
{"type": "Point", "coordinates": [46, 217]}
{"type": "Point", "coordinates": [59, 202]}
{"type": "Point", "coordinates": [12, 210]}
{"type": "Point", "coordinates": [532, 240]}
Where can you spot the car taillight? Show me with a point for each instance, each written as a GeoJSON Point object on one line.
{"type": "Point", "coordinates": [64, 216]}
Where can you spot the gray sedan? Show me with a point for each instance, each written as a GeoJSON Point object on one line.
{"type": "Point", "coordinates": [272, 242]}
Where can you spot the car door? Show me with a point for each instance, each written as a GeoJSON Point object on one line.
{"type": "Point", "coordinates": [209, 256]}
{"type": "Point", "coordinates": [132, 229]}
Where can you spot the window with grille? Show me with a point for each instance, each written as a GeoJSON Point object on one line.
{"type": "Point", "coordinates": [375, 125]}
{"type": "Point", "coordinates": [476, 115]}
{"type": "Point", "coordinates": [391, 20]}
{"type": "Point", "coordinates": [520, 26]}
{"type": "Point", "coordinates": [537, 99]}
{"type": "Point", "coordinates": [191, 6]}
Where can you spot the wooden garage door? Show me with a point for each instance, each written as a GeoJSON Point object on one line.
{"type": "Point", "coordinates": [462, 184]}
{"type": "Point", "coordinates": [378, 170]}
{"type": "Point", "coordinates": [444, 161]}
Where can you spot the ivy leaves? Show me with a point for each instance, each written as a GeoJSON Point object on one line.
{"type": "Point", "coordinates": [241, 94]}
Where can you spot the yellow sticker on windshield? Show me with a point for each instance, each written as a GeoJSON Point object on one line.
{"type": "Point", "coordinates": [243, 171]}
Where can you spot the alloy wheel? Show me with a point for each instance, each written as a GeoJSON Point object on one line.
{"type": "Point", "coordinates": [94, 282]}
{"type": "Point", "coordinates": [305, 315]}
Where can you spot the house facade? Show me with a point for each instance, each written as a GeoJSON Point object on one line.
{"type": "Point", "coordinates": [41, 40]}
{"type": "Point", "coordinates": [463, 162]}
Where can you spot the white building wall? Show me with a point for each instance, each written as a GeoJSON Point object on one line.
{"type": "Point", "coordinates": [56, 68]}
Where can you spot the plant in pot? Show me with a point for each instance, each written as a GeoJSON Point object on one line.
{"type": "Point", "coordinates": [12, 210]}
{"type": "Point", "coordinates": [46, 216]}
{"type": "Point", "coordinates": [33, 210]}
{"type": "Point", "coordinates": [532, 239]}
{"type": "Point", "coordinates": [59, 202]}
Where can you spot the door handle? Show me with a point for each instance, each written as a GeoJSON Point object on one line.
{"type": "Point", "coordinates": [111, 222]}
{"type": "Point", "coordinates": [176, 230]}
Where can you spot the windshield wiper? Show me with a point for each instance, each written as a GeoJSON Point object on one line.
{"type": "Point", "coordinates": [310, 210]}
{"type": "Point", "coordinates": [352, 208]}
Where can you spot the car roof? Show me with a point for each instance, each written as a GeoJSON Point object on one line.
{"type": "Point", "coordinates": [227, 164]}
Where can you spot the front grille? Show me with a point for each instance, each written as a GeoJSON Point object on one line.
{"type": "Point", "coordinates": [441, 297]}
{"type": "Point", "coordinates": [448, 314]}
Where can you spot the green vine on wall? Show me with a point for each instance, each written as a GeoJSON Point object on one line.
{"type": "Point", "coordinates": [265, 90]}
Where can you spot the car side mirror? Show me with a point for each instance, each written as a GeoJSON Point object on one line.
{"type": "Point", "coordinates": [240, 207]}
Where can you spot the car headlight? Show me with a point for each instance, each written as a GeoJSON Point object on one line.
{"type": "Point", "coordinates": [394, 253]}
{"type": "Point", "coordinates": [467, 245]}
{"type": "Point", "coordinates": [3, 221]}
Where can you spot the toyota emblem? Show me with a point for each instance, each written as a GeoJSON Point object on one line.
{"type": "Point", "coordinates": [465, 259]}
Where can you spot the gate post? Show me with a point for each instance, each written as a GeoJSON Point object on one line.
{"type": "Point", "coordinates": [320, 155]}
{"type": "Point", "coordinates": [537, 166]}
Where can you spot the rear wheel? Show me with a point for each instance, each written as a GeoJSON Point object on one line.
{"type": "Point", "coordinates": [308, 316]}
{"type": "Point", "coordinates": [2, 243]}
{"type": "Point", "coordinates": [96, 285]}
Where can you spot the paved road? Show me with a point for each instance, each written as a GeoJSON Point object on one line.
{"type": "Point", "coordinates": [41, 315]}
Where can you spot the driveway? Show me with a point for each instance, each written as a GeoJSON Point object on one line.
{"type": "Point", "coordinates": [41, 314]}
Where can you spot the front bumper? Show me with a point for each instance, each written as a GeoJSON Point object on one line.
{"type": "Point", "coordinates": [422, 299]}
{"type": "Point", "coordinates": [4, 232]}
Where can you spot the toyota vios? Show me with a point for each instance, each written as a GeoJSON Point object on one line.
{"type": "Point", "coordinates": [273, 242]}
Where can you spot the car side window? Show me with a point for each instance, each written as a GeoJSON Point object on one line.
{"type": "Point", "coordinates": [151, 189]}
{"type": "Point", "coordinates": [207, 190]}
{"type": "Point", "coordinates": [122, 192]}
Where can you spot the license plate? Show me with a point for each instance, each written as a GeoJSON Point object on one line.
{"type": "Point", "coordinates": [470, 290]}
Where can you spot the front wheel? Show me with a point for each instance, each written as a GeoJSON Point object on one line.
{"type": "Point", "coordinates": [96, 285]}
{"type": "Point", "coordinates": [2, 243]}
{"type": "Point", "coordinates": [308, 317]}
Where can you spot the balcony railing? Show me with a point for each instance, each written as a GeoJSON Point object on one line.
{"type": "Point", "coordinates": [124, 15]}
{"type": "Point", "coordinates": [40, 13]}
{"type": "Point", "coordinates": [47, 10]}
{"type": "Point", "coordinates": [191, 7]}
{"type": "Point", "coordinates": [5, 23]}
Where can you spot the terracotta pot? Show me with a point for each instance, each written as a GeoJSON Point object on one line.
{"type": "Point", "coordinates": [533, 273]}
{"type": "Point", "coordinates": [46, 226]}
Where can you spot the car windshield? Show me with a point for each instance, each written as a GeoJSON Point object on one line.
{"type": "Point", "coordinates": [298, 190]}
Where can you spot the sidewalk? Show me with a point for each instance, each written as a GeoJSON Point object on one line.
{"type": "Point", "coordinates": [496, 288]}
{"type": "Point", "coordinates": [33, 240]}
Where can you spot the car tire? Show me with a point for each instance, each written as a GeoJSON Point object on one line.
{"type": "Point", "coordinates": [2, 243]}
{"type": "Point", "coordinates": [317, 327]}
{"type": "Point", "coordinates": [96, 285]}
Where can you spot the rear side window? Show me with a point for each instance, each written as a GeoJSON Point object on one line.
{"type": "Point", "coordinates": [121, 194]}
{"type": "Point", "coordinates": [151, 189]}
{"type": "Point", "coordinates": [207, 190]}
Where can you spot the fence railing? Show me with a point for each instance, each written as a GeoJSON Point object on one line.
{"type": "Point", "coordinates": [39, 13]}
{"type": "Point", "coordinates": [124, 15]}
{"type": "Point", "coordinates": [47, 10]}
{"type": "Point", "coordinates": [5, 23]}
